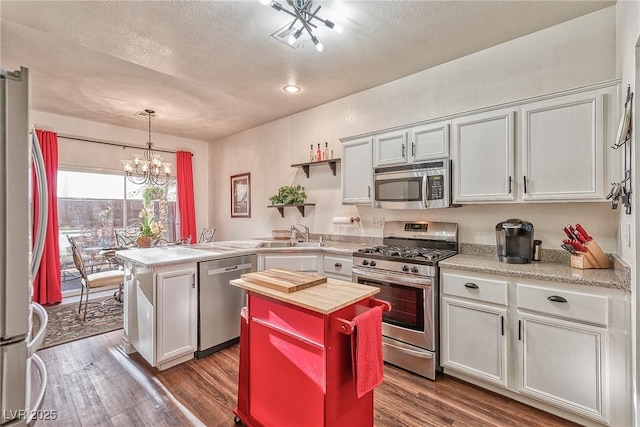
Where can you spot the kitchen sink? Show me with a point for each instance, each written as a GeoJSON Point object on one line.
{"type": "Point", "coordinates": [288, 244]}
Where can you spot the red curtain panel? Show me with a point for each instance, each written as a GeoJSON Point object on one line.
{"type": "Point", "coordinates": [186, 203]}
{"type": "Point", "coordinates": [46, 284]}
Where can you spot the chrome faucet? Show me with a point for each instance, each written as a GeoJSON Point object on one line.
{"type": "Point", "coordinates": [304, 234]}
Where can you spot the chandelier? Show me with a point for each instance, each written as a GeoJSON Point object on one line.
{"type": "Point", "coordinates": [302, 12]}
{"type": "Point", "coordinates": [148, 168]}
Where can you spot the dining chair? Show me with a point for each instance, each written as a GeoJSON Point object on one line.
{"type": "Point", "coordinates": [126, 236]}
{"type": "Point", "coordinates": [206, 235]}
{"type": "Point", "coordinates": [92, 280]}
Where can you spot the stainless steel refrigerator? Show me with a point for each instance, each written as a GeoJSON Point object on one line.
{"type": "Point", "coordinates": [20, 254]}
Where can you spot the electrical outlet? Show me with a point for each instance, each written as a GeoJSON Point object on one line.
{"type": "Point", "coordinates": [378, 222]}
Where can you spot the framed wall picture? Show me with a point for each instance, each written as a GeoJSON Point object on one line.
{"type": "Point", "coordinates": [241, 196]}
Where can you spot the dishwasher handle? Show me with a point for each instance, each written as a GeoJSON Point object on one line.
{"type": "Point", "coordinates": [223, 270]}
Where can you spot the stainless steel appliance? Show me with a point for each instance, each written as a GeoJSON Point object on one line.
{"type": "Point", "coordinates": [514, 239]}
{"type": "Point", "coordinates": [219, 303]}
{"type": "Point", "coordinates": [417, 186]}
{"type": "Point", "coordinates": [406, 271]}
{"type": "Point", "coordinates": [20, 254]}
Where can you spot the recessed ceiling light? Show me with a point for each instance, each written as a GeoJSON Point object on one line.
{"type": "Point", "coordinates": [291, 88]}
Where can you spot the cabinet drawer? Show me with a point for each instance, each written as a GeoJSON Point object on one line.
{"type": "Point", "coordinates": [475, 288]}
{"type": "Point", "coordinates": [339, 266]}
{"type": "Point", "coordinates": [301, 324]}
{"type": "Point", "coordinates": [570, 305]}
{"type": "Point", "coordinates": [299, 262]}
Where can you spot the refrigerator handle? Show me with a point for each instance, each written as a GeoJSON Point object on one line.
{"type": "Point", "coordinates": [41, 178]}
{"type": "Point", "coordinates": [43, 319]}
{"type": "Point", "coordinates": [32, 410]}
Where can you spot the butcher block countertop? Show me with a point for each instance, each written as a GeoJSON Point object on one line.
{"type": "Point", "coordinates": [325, 298]}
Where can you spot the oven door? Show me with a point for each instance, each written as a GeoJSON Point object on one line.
{"type": "Point", "coordinates": [412, 316]}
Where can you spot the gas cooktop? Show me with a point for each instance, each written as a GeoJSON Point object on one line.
{"type": "Point", "coordinates": [406, 254]}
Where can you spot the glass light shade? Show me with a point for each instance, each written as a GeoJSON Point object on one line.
{"type": "Point", "coordinates": [167, 168]}
{"type": "Point", "coordinates": [144, 165]}
{"type": "Point", "coordinates": [136, 159]}
{"type": "Point", "coordinates": [127, 165]}
{"type": "Point", "coordinates": [338, 29]}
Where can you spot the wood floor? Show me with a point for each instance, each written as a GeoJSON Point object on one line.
{"type": "Point", "coordinates": [91, 383]}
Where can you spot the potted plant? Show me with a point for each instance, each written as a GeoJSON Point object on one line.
{"type": "Point", "coordinates": [289, 195]}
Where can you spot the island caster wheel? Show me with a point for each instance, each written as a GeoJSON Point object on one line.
{"type": "Point", "coordinates": [237, 420]}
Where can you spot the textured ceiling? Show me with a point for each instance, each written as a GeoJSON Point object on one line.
{"type": "Point", "coordinates": [211, 68]}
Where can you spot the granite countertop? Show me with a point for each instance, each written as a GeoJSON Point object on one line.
{"type": "Point", "coordinates": [551, 271]}
{"type": "Point", "coordinates": [173, 255]}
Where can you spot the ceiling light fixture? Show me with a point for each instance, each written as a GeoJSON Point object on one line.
{"type": "Point", "coordinates": [291, 88]}
{"type": "Point", "coordinates": [147, 169]}
{"type": "Point", "coordinates": [302, 12]}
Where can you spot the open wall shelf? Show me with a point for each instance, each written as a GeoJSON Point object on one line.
{"type": "Point", "coordinates": [300, 208]}
{"type": "Point", "coordinates": [305, 166]}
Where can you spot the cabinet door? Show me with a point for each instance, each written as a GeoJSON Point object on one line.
{"type": "Point", "coordinates": [390, 148]}
{"type": "Point", "coordinates": [563, 155]}
{"type": "Point", "coordinates": [429, 141]}
{"type": "Point", "coordinates": [483, 158]}
{"type": "Point", "coordinates": [176, 313]}
{"type": "Point", "coordinates": [474, 340]}
{"type": "Point", "coordinates": [356, 172]}
{"type": "Point", "coordinates": [338, 267]}
{"type": "Point", "coordinates": [564, 363]}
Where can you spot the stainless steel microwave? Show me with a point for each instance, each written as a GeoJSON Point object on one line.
{"type": "Point", "coordinates": [417, 186]}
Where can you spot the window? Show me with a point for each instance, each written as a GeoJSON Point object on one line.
{"type": "Point", "coordinates": [91, 205]}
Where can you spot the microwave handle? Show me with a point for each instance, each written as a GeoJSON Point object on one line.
{"type": "Point", "coordinates": [425, 191]}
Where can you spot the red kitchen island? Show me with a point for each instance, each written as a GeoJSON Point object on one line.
{"type": "Point", "coordinates": [296, 356]}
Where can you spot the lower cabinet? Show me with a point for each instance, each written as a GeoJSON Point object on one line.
{"type": "Point", "coordinates": [160, 313]}
{"type": "Point", "coordinates": [561, 347]}
{"type": "Point", "coordinates": [473, 339]}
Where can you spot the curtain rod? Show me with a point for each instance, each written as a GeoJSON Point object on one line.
{"type": "Point", "coordinates": [115, 144]}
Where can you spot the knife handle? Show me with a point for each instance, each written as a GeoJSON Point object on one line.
{"type": "Point", "coordinates": [584, 233]}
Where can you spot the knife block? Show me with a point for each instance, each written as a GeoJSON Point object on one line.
{"type": "Point", "coordinates": [593, 258]}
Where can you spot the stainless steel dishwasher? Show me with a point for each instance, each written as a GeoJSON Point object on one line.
{"type": "Point", "coordinates": [219, 303]}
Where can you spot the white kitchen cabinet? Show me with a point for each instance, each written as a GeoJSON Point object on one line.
{"type": "Point", "coordinates": [428, 142]}
{"type": "Point", "coordinates": [562, 148]}
{"type": "Point", "coordinates": [473, 322]}
{"type": "Point", "coordinates": [160, 313]}
{"type": "Point", "coordinates": [473, 339]}
{"type": "Point", "coordinates": [337, 266]}
{"type": "Point", "coordinates": [176, 313]}
{"type": "Point", "coordinates": [357, 171]}
{"type": "Point", "coordinates": [566, 346]}
{"type": "Point", "coordinates": [306, 262]}
{"type": "Point", "coordinates": [483, 157]}
{"type": "Point", "coordinates": [390, 148]}
{"type": "Point", "coordinates": [563, 363]}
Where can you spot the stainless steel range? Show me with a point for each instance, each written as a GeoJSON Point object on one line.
{"type": "Point", "coordinates": [405, 269]}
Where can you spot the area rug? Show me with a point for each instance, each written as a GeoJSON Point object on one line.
{"type": "Point", "coordinates": [65, 325]}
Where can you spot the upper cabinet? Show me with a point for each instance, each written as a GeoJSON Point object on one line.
{"type": "Point", "coordinates": [356, 171]}
{"type": "Point", "coordinates": [557, 154]}
{"type": "Point", "coordinates": [483, 157]}
{"type": "Point", "coordinates": [411, 145]}
{"type": "Point", "coordinates": [562, 148]}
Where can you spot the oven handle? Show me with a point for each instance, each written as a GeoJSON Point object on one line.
{"type": "Point", "coordinates": [394, 278]}
{"type": "Point", "coordinates": [408, 351]}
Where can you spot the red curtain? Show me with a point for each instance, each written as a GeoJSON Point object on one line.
{"type": "Point", "coordinates": [186, 203]}
{"type": "Point", "coordinates": [46, 285]}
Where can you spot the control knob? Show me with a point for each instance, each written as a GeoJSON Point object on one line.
{"type": "Point", "coordinates": [372, 263]}
{"type": "Point", "coordinates": [365, 262]}
{"type": "Point", "coordinates": [405, 268]}
{"type": "Point", "coordinates": [414, 269]}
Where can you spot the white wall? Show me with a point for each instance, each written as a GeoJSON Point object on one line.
{"type": "Point", "coordinates": [628, 62]}
{"type": "Point", "coordinates": [578, 52]}
{"type": "Point", "coordinates": [78, 154]}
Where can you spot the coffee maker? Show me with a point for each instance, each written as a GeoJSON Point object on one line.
{"type": "Point", "coordinates": [514, 239]}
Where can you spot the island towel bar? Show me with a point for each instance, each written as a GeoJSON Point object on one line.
{"type": "Point", "coordinates": [348, 326]}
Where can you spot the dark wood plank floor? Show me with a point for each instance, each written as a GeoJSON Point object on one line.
{"type": "Point", "coordinates": [91, 383]}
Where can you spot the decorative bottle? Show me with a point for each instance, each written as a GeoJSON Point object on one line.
{"type": "Point", "coordinates": [318, 154]}
{"type": "Point", "coordinates": [326, 151]}
{"type": "Point", "coordinates": [312, 154]}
